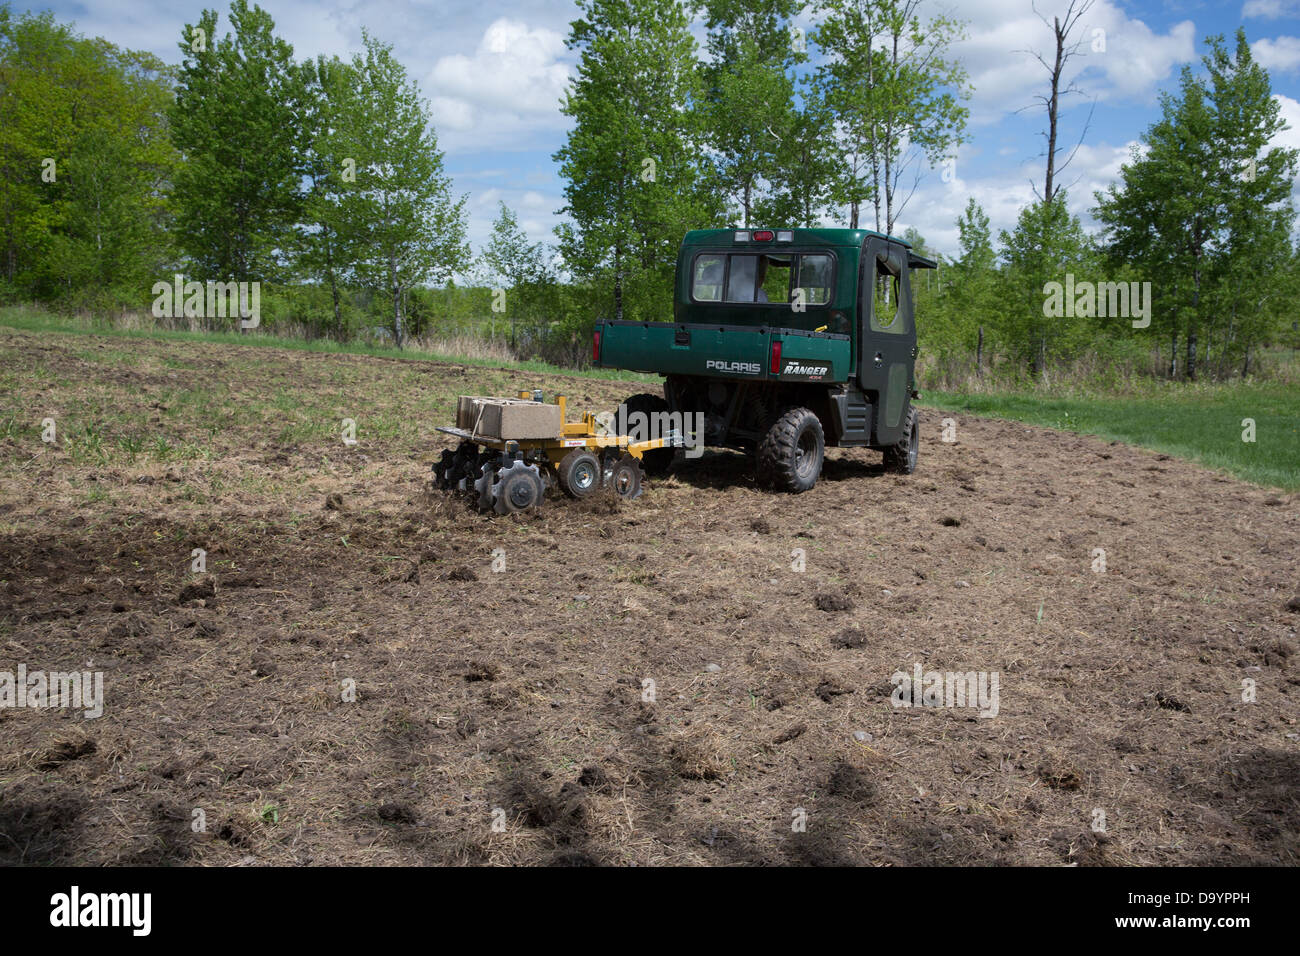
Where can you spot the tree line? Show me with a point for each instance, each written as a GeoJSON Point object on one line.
{"type": "Point", "coordinates": [1198, 229]}
{"type": "Point", "coordinates": [323, 180]}
{"type": "Point", "coordinates": [239, 164]}
{"type": "Point", "coordinates": [776, 126]}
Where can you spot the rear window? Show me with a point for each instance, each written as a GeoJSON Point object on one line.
{"type": "Point", "coordinates": [709, 273]}
{"type": "Point", "coordinates": [763, 279]}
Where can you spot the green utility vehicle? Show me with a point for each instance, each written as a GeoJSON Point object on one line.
{"type": "Point", "coordinates": [783, 341]}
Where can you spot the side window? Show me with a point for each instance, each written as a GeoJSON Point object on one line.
{"type": "Point", "coordinates": [815, 279]}
{"type": "Point", "coordinates": [706, 284]}
{"type": "Point", "coordinates": [886, 316]}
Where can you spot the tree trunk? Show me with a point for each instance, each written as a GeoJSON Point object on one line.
{"type": "Point", "coordinates": [618, 282]}
{"type": "Point", "coordinates": [334, 287]}
{"type": "Point", "coordinates": [399, 332]}
{"type": "Point", "coordinates": [979, 354]}
{"type": "Point", "coordinates": [1053, 102]}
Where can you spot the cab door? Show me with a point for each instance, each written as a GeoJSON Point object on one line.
{"type": "Point", "coordinates": [888, 337]}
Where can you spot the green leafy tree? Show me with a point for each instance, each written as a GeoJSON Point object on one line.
{"type": "Point", "coordinates": [1255, 179]}
{"type": "Point", "coordinates": [1203, 211]}
{"type": "Point", "coordinates": [748, 107]}
{"type": "Point", "coordinates": [324, 253]}
{"type": "Point", "coordinates": [632, 161]}
{"type": "Point", "coordinates": [236, 121]}
{"type": "Point", "coordinates": [399, 218]}
{"type": "Point", "coordinates": [85, 163]}
{"type": "Point", "coordinates": [516, 266]}
{"type": "Point", "coordinates": [801, 180]}
{"type": "Point", "coordinates": [974, 280]}
{"type": "Point", "coordinates": [1046, 245]}
{"type": "Point", "coordinates": [896, 94]}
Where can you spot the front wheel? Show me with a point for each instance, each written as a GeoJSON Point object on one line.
{"type": "Point", "coordinates": [791, 453]}
{"type": "Point", "coordinates": [901, 458]}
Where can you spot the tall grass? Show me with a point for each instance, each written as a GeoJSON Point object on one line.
{"type": "Point", "coordinates": [457, 348]}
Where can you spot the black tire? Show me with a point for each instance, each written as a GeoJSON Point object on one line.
{"type": "Point", "coordinates": [658, 461]}
{"type": "Point", "coordinates": [791, 453]}
{"type": "Point", "coordinates": [901, 458]}
{"type": "Point", "coordinates": [626, 478]}
{"type": "Point", "coordinates": [579, 473]}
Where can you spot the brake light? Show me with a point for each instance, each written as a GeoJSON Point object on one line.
{"type": "Point", "coordinates": [775, 367]}
{"type": "Point", "coordinates": [595, 346]}
{"type": "Point", "coordinates": [764, 235]}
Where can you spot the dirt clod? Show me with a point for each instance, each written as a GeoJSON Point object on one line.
{"type": "Point", "coordinates": [831, 602]}
{"type": "Point", "coordinates": [201, 588]}
{"type": "Point", "coordinates": [849, 638]}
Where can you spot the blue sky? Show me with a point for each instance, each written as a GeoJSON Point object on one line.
{"type": "Point", "coordinates": [493, 73]}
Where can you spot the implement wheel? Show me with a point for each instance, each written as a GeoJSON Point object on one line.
{"type": "Point", "coordinates": [579, 473]}
{"type": "Point", "coordinates": [625, 480]}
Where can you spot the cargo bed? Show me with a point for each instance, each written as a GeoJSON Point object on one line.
{"type": "Point", "coordinates": [725, 351]}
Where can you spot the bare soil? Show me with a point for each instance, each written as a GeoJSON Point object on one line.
{"type": "Point", "coordinates": [504, 716]}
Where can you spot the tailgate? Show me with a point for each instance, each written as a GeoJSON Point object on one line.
{"type": "Point", "coordinates": [727, 351]}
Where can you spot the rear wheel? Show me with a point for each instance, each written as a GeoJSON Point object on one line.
{"type": "Point", "coordinates": [901, 458]}
{"type": "Point", "coordinates": [791, 453]}
{"type": "Point", "coordinates": [625, 481]}
{"type": "Point", "coordinates": [579, 473]}
{"type": "Point", "coordinates": [654, 409]}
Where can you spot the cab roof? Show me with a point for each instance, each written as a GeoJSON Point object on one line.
{"type": "Point", "coordinates": [813, 237]}
{"type": "Point", "coordinates": [799, 237]}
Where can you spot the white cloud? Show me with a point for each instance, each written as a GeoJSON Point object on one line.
{"type": "Point", "coordinates": [1281, 54]}
{"type": "Point", "coordinates": [511, 85]}
{"type": "Point", "coordinates": [1289, 110]}
{"type": "Point", "coordinates": [1269, 9]}
{"type": "Point", "coordinates": [1289, 138]}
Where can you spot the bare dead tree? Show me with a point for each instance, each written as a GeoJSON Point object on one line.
{"type": "Point", "coordinates": [1065, 51]}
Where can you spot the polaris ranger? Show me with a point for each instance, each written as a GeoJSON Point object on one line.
{"type": "Point", "coordinates": [783, 341]}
